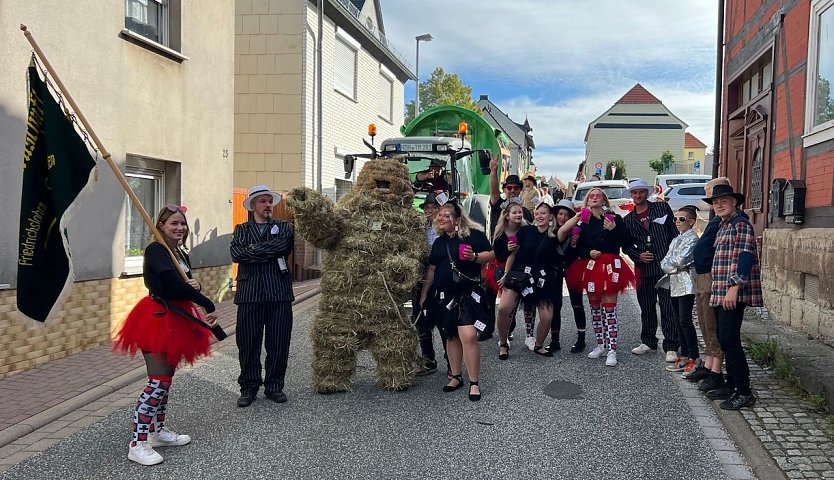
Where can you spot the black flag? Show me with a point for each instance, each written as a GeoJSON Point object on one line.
{"type": "Point", "coordinates": [56, 168]}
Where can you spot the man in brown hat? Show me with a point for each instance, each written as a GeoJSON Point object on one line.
{"type": "Point", "coordinates": [736, 284]}
{"type": "Point", "coordinates": [530, 193]}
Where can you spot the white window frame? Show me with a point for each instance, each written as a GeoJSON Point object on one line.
{"type": "Point", "coordinates": [351, 44]}
{"type": "Point", "coordinates": [133, 263]}
{"type": "Point", "coordinates": [823, 132]}
{"type": "Point", "coordinates": [386, 80]}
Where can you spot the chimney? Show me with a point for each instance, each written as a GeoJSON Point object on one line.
{"type": "Point", "coordinates": [484, 97]}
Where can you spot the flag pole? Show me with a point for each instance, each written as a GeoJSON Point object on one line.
{"type": "Point", "coordinates": [104, 153]}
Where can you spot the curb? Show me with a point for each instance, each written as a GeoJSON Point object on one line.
{"type": "Point", "coordinates": [55, 412]}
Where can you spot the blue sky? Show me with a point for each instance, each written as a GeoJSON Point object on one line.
{"type": "Point", "coordinates": [563, 63]}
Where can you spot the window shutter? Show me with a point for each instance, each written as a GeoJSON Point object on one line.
{"type": "Point", "coordinates": [344, 76]}
{"type": "Point", "coordinates": [385, 87]}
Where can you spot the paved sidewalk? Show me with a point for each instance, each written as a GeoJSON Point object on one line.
{"type": "Point", "coordinates": [32, 399]}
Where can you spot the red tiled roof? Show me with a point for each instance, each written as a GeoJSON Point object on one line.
{"type": "Point", "coordinates": [689, 141]}
{"type": "Point", "coordinates": [638, 94]}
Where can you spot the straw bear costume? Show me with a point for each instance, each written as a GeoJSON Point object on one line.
{"type": "Point", "coordinates": [375, 244]}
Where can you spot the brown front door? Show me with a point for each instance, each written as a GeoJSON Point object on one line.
{"type": "Point", "coordinates": [756, 163]}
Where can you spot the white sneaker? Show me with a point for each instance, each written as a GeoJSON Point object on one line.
{"type": "Point", "coordinates": [143, 454]}
{"type": "Point", "coordinates": [167, 438]}
{"type": "Point", "coordinates": [611, 360]}
{"type": "Point", "coordinates": [671, 356]}
{"type": "Point", "coordinates": [642, 349]}
{"type": "Point", "coordinates": [531, 343]}
{"type": "Point", "coordinates": [597, 352]}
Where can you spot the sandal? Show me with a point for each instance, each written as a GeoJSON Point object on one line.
{"type": "Point", "coordinates": [452, 388]}
{"type": "Point", "coordinates": [474, 397]}
{"type": "Point", "coordinates": [539, 350]}
{"type": "Point", "coordinates": [503, 356]}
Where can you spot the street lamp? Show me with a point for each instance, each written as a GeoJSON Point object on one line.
{"type": "Point", "coordinates": [426, 37]}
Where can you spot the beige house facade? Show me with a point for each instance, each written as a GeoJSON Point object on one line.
{"type": "Point", "coordinates": [295, 120]}
{"type": "Point", "coordinates": [694, 156]}
{"type": "Point", "coordinates": [637, 129]}
{"type": "Point", "coordinates": [155, 80]}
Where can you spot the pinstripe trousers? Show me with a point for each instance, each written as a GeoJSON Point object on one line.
{"type": "Point", "coordinates": [648, 297]}
{"type": "Point", "coordinates": [255, 321]}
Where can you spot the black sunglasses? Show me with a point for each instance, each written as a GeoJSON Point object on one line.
{"type": "Point", "coordinates": [682, 219]}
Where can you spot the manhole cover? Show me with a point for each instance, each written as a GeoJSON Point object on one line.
{"type": "Point", "coordinates": [563, 390]}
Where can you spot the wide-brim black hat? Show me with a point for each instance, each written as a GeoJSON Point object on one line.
{"type": "Point", "coordinates": [724, 191]}
{"type": "Point", "coordinates": [512, 180]}
{"type": "Point", "coordinates": [430, 198]}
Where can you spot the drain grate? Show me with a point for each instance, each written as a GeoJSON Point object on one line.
{"type": "Point", "coordinates": [563, 390]}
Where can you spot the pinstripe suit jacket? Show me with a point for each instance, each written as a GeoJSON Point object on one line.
{"type": "Point", "coordinates": [662, 232]}
{"type": "Point", "coordinates": [259, 277]}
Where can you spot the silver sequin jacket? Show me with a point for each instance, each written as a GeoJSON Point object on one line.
{"type": "Point", "coordinates": [677, 264]}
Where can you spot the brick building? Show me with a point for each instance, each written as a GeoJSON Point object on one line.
{"type": "Point", "coordinates": [777, 135]}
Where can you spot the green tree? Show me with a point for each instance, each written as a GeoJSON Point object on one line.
{"type": "Point", "coordinates": [442, 89]}
{"type": "Point", "coordinates": [824, 104]}
{"type": "Point", "coordinates": [664, 163]}
{"type": "Point", "coordinates": [619, 169]}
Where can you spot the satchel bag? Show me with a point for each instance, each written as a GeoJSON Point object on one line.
{"type": "Point", "coordinates": [460, 278]}
{"type": "Point", "coordinates": [517, 280]}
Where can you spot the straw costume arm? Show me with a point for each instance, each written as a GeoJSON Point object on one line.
{"type": "Point", "coordinates": [315, 218]}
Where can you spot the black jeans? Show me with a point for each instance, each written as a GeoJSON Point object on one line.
{"type": "Point", "coordinates": [648, 296]}
{"type": "Point", "coordinates": [683, 312]}
{"type": "Point", "coordinates": [728, 325]}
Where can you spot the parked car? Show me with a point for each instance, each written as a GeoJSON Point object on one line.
{"type": "Point", "coordinates": [663, 182]}
{"type": "Point", "coordinates": [687, 195]}
{"type": "Point", "coordinates": [617, 193]}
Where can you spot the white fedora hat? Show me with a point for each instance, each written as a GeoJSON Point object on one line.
{"type": "Point", "coordinates": [639, 184]}
{"type": "Point", "coordinates": [257, 191]}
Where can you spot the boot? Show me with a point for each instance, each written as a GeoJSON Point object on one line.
{"type": "Point", "coordinates": [579, 346]}
{"type": "Point", "coordinates": [715, 380]}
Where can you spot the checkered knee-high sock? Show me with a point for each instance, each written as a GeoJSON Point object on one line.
{"type": "Point", "coordinates": [147, 406]}
{"type": "Point", "coordinates": [530, 320]}
{"type": "Point", "coordinates": [159, 418]}
{"type": "Point", "coordinates": [611, 324]}
{"type": "Point", "coordinates": [596, 322]}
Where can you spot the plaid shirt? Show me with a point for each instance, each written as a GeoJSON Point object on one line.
{"type": "Point", "coordinates": [735, 237]}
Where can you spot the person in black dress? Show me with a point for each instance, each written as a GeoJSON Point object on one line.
{"type": "Point", "coordinates": [534, 261]}
{"type": "Point", "coordinates": [562, 212]}
{"type": "Point", "coordinates": [457, 296]}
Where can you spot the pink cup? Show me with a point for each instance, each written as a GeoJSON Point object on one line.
{"type": "Point", "coordinates": [512, 238]}
{"type": "Point", "coordinates": [609, 217]}
{"type": "Point", "coordinates": [462, 251]}
{"type": "Point", "coordinates": [585, 215]}
{"type": "Point", "coordinates": [575, 231]}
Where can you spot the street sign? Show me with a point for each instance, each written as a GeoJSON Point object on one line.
{"type": "Point", "coordinates": [598, 165]}
{"type": "Point", "coordinates": [697, 165]}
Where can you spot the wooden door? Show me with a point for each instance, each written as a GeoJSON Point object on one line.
{"type": "Point", "coordinates": [756, 161]}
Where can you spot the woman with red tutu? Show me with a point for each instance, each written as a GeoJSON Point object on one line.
{"type": "Point", "coordinates": [599, 270]}
{"type": "Point", "coordinates": [159, 327]}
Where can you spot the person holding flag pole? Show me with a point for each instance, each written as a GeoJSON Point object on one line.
{"type": "Point", "coordinates": [166, 326]}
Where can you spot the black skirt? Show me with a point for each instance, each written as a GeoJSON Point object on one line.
{"type": "Point", "coordinates": [451, 310]}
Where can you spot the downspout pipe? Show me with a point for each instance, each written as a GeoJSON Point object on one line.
{"type": "Point", "coordinates": [319, 93]}
{"type": "Point", "coordinates": [719, 89]}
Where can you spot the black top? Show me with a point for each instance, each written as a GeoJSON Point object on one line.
{"type": "Point", "coordinates": [500, 248]}
{"type": "Point", "coordinates": [163, 280]}
{"type": "Point", "coordinates": [256, 248]}
{"type": "Point", "coordinates": [661, 228]}
{"type": "Point", "coordinates": [567, 254]}
{"type": "Point", "coordinates": [440, 258]}
{"type": "Point", "coordinates": [535, 249]}
{"type": "Point", "coordinates": [705, 248]}
{"type": "Point", "coordinates": [594, 237]}
{"type": "Point", "coordinates": [495, 214]}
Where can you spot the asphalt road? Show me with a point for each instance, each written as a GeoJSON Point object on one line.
{"type": "Point", "coordinates": [630, 421]}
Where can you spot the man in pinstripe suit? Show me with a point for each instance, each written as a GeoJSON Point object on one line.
{"type": "Point", "coordinates": [653, 219]}
{"type": "Point", "coordinates": [264, 297]}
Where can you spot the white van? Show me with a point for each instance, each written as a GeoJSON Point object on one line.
{"type": "Point", "coordinates": [663, 182]}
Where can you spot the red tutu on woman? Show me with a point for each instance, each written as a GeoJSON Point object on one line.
{"type": "Point", "coordinates": [608, 274]}
{"type": "Point", "coordinates": [488, 274]}
{"type": "Point", "coordinates": [151, 327]}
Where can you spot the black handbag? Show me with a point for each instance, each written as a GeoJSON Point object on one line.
{"type": "Point", "coordinates": [460, 278]}
{"type": "Point", "coordinates": [518, 280]}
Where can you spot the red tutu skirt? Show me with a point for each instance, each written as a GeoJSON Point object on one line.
{"type": "Point", "coordinates": [150, 327]}
{"type": "Point", "coordinates": [608, 274]}
{"type": "Point", "coordinates": [488, 274]}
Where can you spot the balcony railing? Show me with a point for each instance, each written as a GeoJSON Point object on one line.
{"type": "Point", "coordinates": [371, 28]}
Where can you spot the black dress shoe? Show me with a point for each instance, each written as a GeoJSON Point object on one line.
{"type": "Point", "coordinates": [578, 347]}
{"type": "Point", "coordinates": [277, 396]}
{"type": "Point", "coordinates": [738, 401]}
{"type": "Point", "coordinates": [722, 393]}
{"type": "Point", "coordinates": [554, 345]}
{"type": "Point", "coordinates": [246, 398]}
{"type": "Point", "coordinates": [713, 381]}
